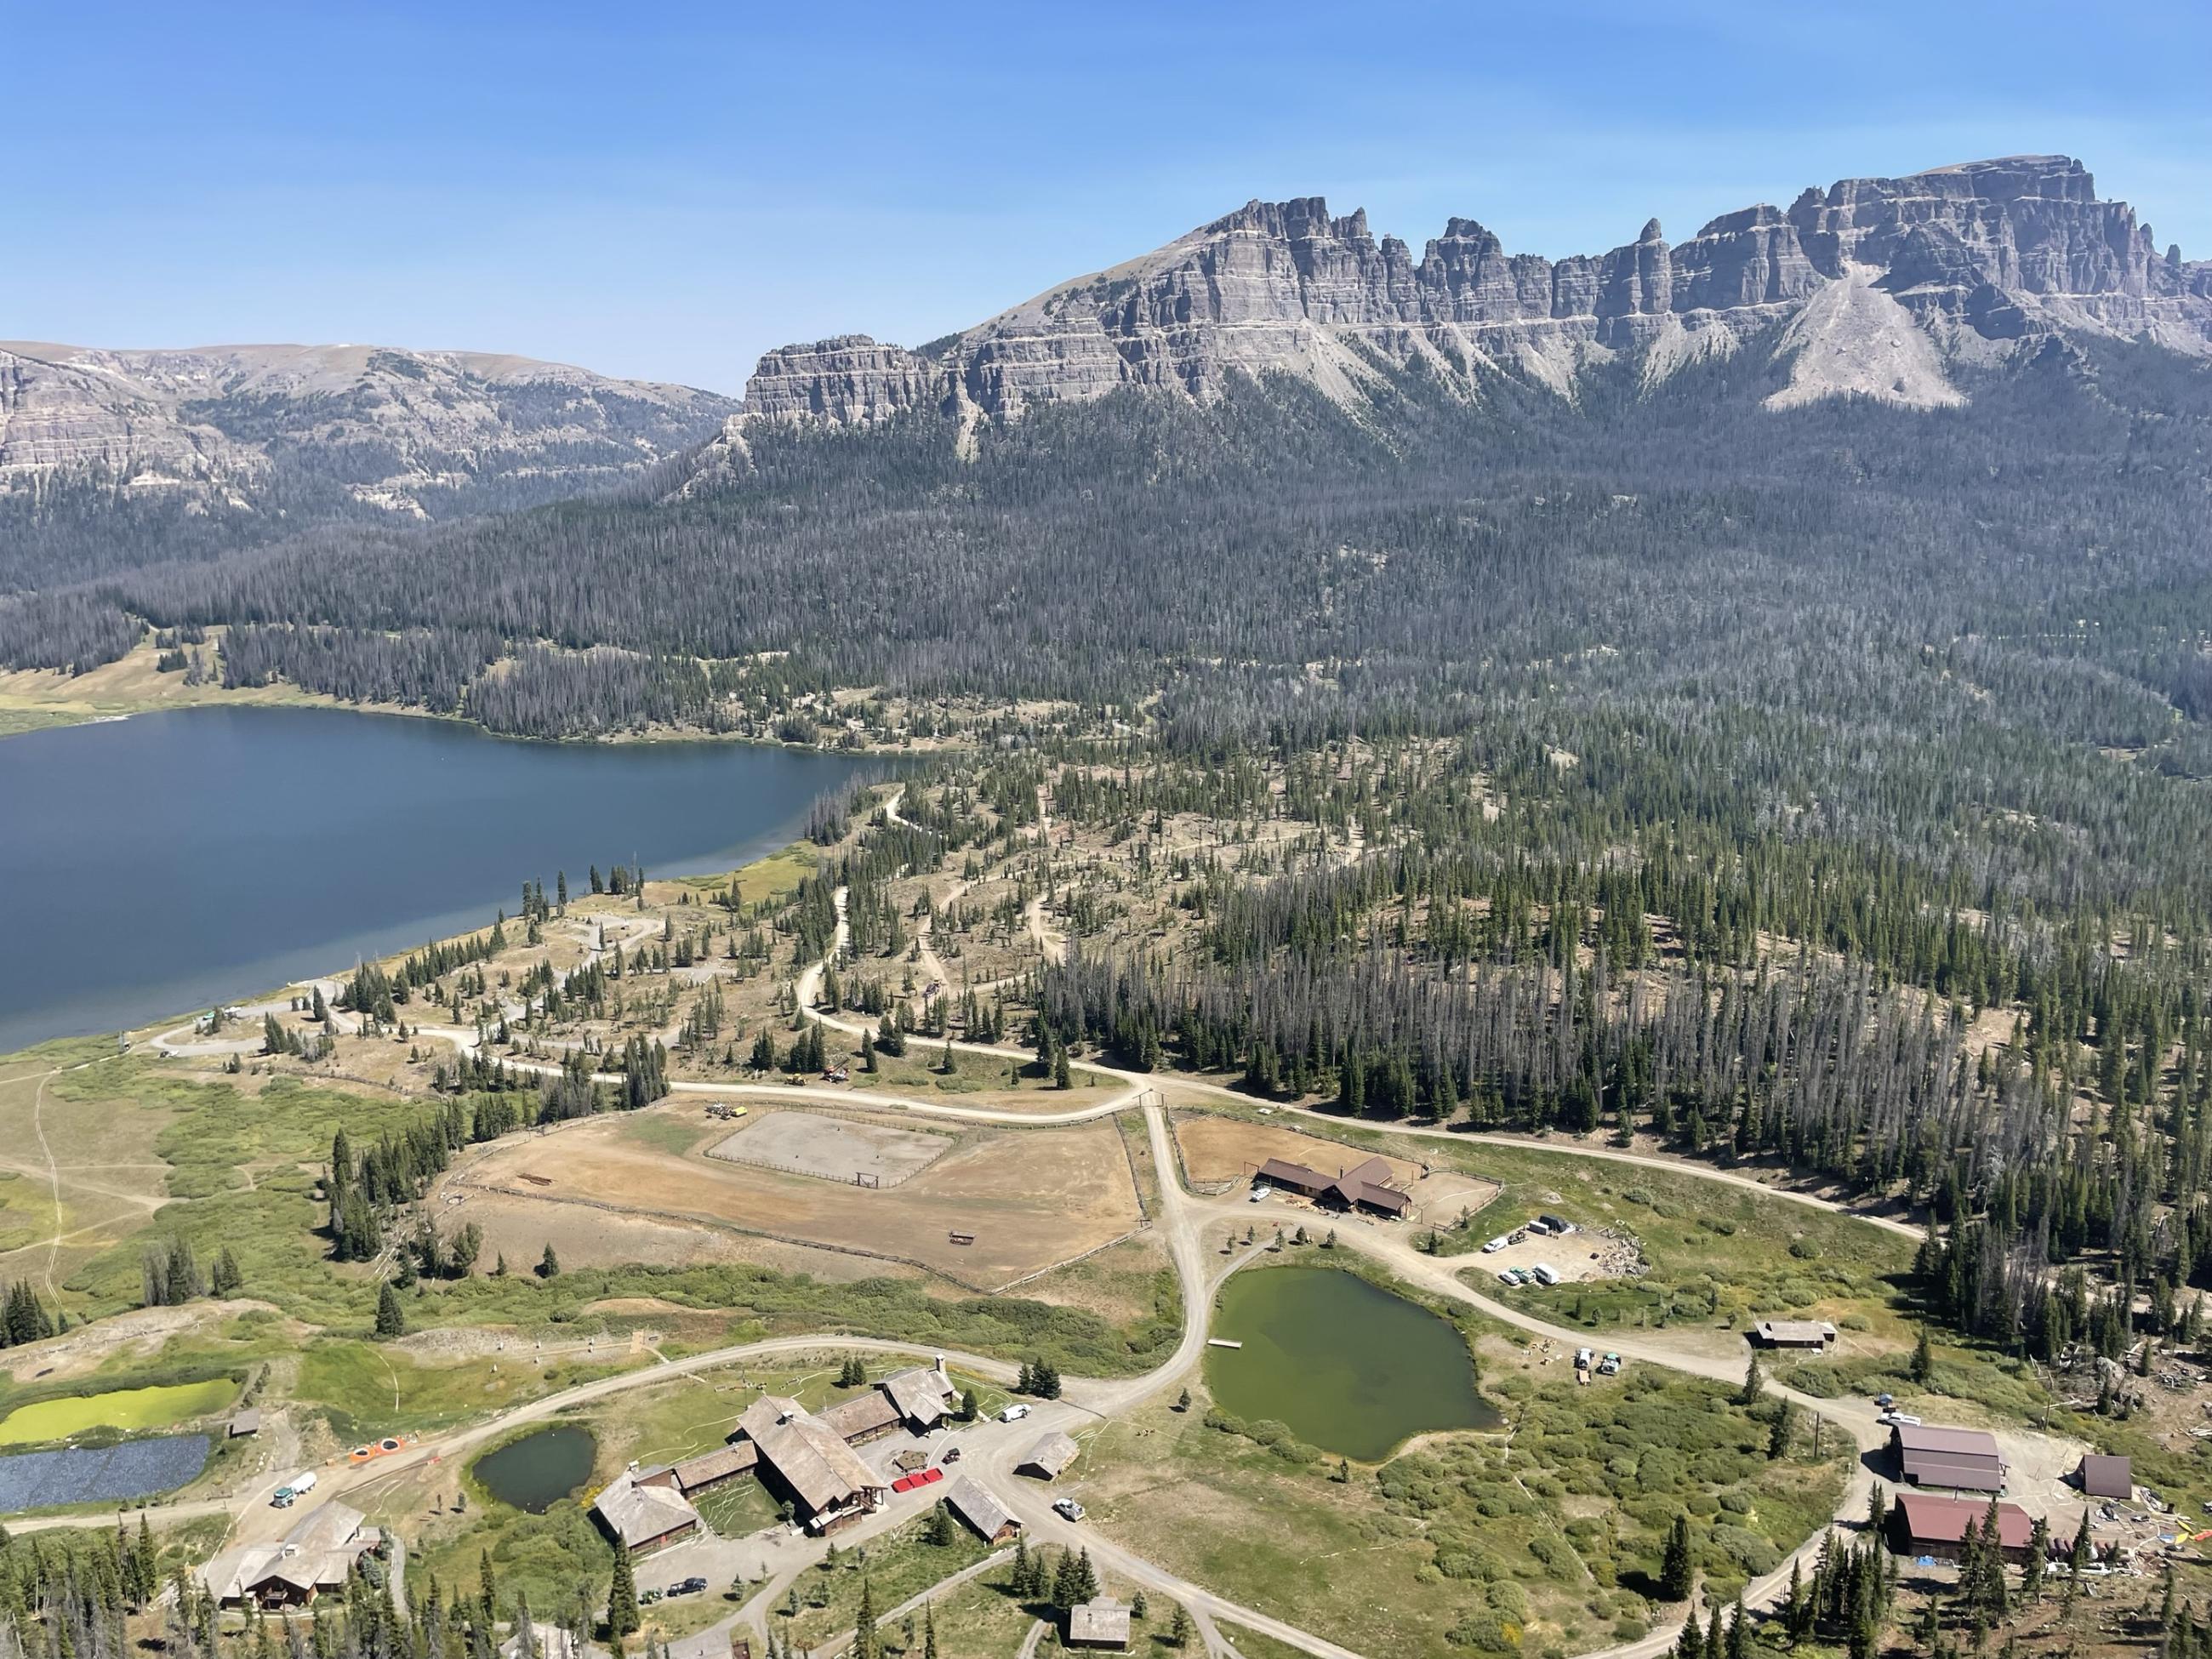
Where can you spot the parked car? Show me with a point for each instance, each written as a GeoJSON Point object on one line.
{"type": "Point", "coordinates": [1068, 1508]}
{"type": "Point", "coordinates": [1609, 1366]}
{"type": "Point", "coordinates": [1885, 1401]}
{"type": "Point", "coordinates": [1495, 1245]}
{"type": "Point", "coordinates": [1259, 1190]}
{"type": "Point", "coordinates": [951, 1454]}
{"type": "Point", "coordinates": [1013, 1414]}
{"type": "Point", "coordinates": [1511, 1276]}
{"type": "Point", "coordinates": [1899, 1419]}
{"type": "Point", "coordinates": [1584, 1357]}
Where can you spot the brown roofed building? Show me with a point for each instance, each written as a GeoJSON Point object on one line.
{"type": "Point", "coordinates": [1103, 1623]}
{"type": "Point", "coordinates": [1966, 1460]}
{"type": "Point", "coordinates": [981, 1507]}
{"type": "Point", "coordinates": [1049, 1457]}
{"type": "Point", "coordinates": [641, 1517]}
{"type": "Point", "coordinates": [1922, 1524]}
{"type": "Point", "coordinates": [1292, 1177]}
{"type": "Point", "coordinates": [2103, 1476]}
{"type": "Point", "coordinates": [864, 1417]}
{"type": "Point", "coordinates": [925, 1396]}
{"type": "Point", "coordinates": [809, 1461]}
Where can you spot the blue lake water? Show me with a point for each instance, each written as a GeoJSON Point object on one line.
{"type": "Point", "coordinates": [165, 863]}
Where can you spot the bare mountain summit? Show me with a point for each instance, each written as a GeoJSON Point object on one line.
{"type": "Point", "coordinates": [311, 431]}
{"type": "Point", "coordinates": [1875, 287]}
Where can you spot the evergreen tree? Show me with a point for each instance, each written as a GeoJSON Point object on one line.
{"type": "Point", "coordinates": [622, 1620]}
{"type": "Point", "coordinates": [1676, 1568]}
{"type": "Point", "coordinates": [391, 1318]}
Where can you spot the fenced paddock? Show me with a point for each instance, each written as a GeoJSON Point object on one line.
{"type": "Point", "coordinates": [833, 1148]}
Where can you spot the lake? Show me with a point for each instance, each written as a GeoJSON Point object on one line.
{"type": "Point", "coordinates": [159, 865]}
{"type": "Point", "coordinates": [1342, 1364]}
{"type": "Point", "coordinates": [538, 1470]}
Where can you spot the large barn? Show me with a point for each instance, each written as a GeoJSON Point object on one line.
{"type": "Point", "coordinates": [1963, 1460]}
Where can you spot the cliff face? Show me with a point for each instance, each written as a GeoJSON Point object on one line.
{"type": "Point", "coordinates": [1967, 260]}
{"type": "Point", "coordinates": [412, 432]}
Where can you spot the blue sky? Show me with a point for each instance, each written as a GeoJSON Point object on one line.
{"type": "Point", "coordinates": [666, 190]}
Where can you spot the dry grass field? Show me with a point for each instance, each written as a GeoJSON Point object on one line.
{"type": "Point", "coordinates": [1032, 1198]}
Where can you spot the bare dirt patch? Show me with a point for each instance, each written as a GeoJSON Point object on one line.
{"type": "Point", "coordinates": [1030, 1200]}
{"type": "Point", "coordinates": [834, 1148]}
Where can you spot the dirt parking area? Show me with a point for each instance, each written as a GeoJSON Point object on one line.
{"type": "Point", "coordinates": [834, 1148]}
{"type": "Point", "coordinates": [1029, 1200]}
{"type": "Point", "coordinates": [1578, 1258]}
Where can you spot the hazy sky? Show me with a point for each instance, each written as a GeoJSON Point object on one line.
{"type": "Point", "coordinates": [664, 190]}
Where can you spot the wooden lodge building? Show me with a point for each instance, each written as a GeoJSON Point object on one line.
{"type": "Point", "coordinates": [806, 1457]}
{"type": "Point", "coordinates": [315, 1559]}
{"type": "Point", "coordinates": [1365, 1187]}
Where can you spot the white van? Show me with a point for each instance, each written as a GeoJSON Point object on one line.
{"type": "Point", "coordinates": [1546, 1273]}
{"type": "Point", "coordinates": [1496, 1244]}
{"type": "Point", "coordinates": [1013, 1414]}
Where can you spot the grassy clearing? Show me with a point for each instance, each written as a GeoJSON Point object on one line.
{"type": "Point", "coordinates": [983, 1619]}
{"type": "Point", "coordinates": [159, 1407]}
{"type": "Point", "coordinates": [1715, 1255]}
{"type": "Point", "coordinates": [1548, 1540]}
{"type": "Point", "coordinates": [778, 873]}
{"type": "Point", "coordinates": [364, 1389]}
{"type": "Point", "coordinates": [895, 1566]}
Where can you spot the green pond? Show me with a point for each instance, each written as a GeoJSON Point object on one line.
{"type": "Point", "coordinates": [124, 1408]}
{"type": "Point", "coordinates": [537, 1472]}
{"type": "Point", "coordinates": [1345, 1366]}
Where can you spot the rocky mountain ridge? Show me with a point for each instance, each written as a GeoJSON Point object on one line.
{"type": "Point", "coordinates": [315, 429]}
{"type": "Point", "coordinates": [1879, 288]}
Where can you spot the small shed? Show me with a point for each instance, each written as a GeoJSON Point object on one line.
{"type": "Point", "coordinates": [1794, 1333]}
{"type": "Point", "coordinates": [1049, 1457]}
{"type": "Point", "coordinates": [982, 1508]}
{"type": "Point", "coordinates": [246, 1422]}
{"type": "Point", "coordinates": [2104, 1476]}
{"type": "Point", "coordinates": [1103, 1624]}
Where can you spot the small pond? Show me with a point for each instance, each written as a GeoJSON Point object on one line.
{"type": "Point", "coordinates": [537, 1472]}
{"type": "Point", "coordinates": [1342, 1364]}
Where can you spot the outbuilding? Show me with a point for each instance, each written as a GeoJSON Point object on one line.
{"type": "Point", "coordinates": [2104, 1476]}
{"type": "Point", "coordinates": [1793, 1334]}
{"type": "Point", "coordinates": [982, 1508]}
{"type": "Point", "coordinates": [1049, 1457]}
{"type": "Point", "coordinates": [1102, 1625]}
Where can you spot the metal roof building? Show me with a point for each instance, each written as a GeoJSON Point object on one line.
{"type": "Point", "coordinates": [2104, 1476]}
{"type": "Point", "coordinates": [1966, 1460]}
{"type": "Point", "coordinates": [1922, 1524]}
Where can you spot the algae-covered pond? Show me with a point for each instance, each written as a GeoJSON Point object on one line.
{"type": "Point", "coordinates": [119, 1408]}
{"type": "Point", "coordinates": [537, 1472]}
{"type": "Point", "coordinates": [1342, 1364]}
